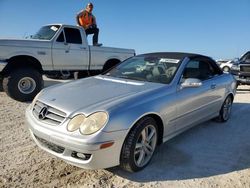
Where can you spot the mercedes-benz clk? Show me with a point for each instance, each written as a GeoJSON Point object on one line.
{"type": "Point", "coordinates": [120, 116]}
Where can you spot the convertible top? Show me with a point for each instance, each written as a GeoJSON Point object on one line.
{"type": "Point", "coordinates": [175, 55]}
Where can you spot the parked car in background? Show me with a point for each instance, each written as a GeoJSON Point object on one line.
{"type": "Point", "coordinates": [225, 65]}
{"type": "Point", "coordinates": [241, 69]}
{"type": "Point", "coordinates": [56, 50]}
{"type": "Point", "coordinates": [119, 117]}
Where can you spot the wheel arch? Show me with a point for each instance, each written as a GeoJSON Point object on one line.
{"type": "Point", "coordinates": [159, 123]}
{"type": "Point", "coordinates": [22, 61]}
{"type": "Point", "coordinates": [110, 63]}
{"type": "Point", "coordinates": [231, 95]}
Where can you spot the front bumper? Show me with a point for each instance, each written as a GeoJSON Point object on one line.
{"type": "Point", "coordinates": [2, 65]}
{"type": "Point", "coordinates": [65, 146]}
{"type": "Point", "coordinates": [242, 80]}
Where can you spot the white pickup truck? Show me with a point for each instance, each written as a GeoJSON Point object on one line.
{"type": "Point", "coordinates": [54, 49]}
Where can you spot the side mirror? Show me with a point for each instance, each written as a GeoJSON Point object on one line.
{"type": "Point", "coordinates": [191, 83]}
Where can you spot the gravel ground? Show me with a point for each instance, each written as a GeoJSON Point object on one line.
{"type": "Point", "coordinates": [209, 155]}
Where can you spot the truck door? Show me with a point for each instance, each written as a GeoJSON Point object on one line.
{"type": "Point", "coordinates": [69, 51]}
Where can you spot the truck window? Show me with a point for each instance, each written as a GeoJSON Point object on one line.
{"type": "Point", "coordinates": [73, 36]}
{"type": "Point", "coordinates": [60, 37]}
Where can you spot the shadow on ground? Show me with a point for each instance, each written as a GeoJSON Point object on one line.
{"type": "Point", "coordinates": [206, 150]}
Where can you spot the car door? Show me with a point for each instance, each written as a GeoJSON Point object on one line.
{"type": "Point", "coordinates": [199, 103]}
{"type": "Point", "coordinates": [69, 52]}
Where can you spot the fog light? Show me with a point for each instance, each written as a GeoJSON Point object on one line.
{"type": "Point", "coordinates": [82, 156]}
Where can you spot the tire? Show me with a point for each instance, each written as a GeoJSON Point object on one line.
{"type": "Point", "coordinates": [226, 69]}
{"type": "Point", "coordinates": [23, 84]}
{"type": "Point", "coordinates": [137, 151]}
{"type": "Point", "coordinates": [225, 110]}
{"type": "Point", "coordinates": [1, 84]}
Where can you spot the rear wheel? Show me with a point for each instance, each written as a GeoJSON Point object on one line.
{"type": "Point", "coordinates": [226, 69]}
{"type": "Point", "coordinates": [110, 64]}
{"type": "Point", "coordinates": [139, 146]}
{"type": "Point", "coordinates": [225, 111]}
{"type": "Point", "coordinates": [23, 84]}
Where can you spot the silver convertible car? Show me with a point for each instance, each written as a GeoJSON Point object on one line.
{"type": "Point", "coordinates": [120, 116]}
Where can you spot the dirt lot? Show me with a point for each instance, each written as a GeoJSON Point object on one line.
{"type": "Point", "coordinates": [209, 155]}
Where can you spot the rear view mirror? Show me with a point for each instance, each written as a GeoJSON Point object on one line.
{"type": "Point", "coordinates": [191, 83]}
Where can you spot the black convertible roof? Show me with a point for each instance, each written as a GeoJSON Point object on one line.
{"type": "Point", "coordinates": [175, 55]}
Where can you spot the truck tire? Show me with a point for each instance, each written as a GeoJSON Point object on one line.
{"type": "Point", "coordinates": [23, 84]}
{"type": "Point", "coordinates": [1, 84]}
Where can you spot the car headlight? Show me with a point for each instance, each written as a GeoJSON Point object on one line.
{"type": "Point", "coordinates": [75, 123]}
{"type": "Point", "coordinates": [88, 125]}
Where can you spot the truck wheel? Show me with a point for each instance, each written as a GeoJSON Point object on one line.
{"type": "Point", "coordinates": [23, 84]}
{"type": "Point", "coordinates": [139, 146]}
{"type": "Point", "coordinates": [110, 64]}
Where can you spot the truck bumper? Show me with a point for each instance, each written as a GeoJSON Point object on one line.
{"type": "Point", "coordinates": [2, 65]}
{"type": "Point", "coordinates": [242, 80]}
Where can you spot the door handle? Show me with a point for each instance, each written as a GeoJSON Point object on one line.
{"type": "Point", "coordinates": [213, 86]}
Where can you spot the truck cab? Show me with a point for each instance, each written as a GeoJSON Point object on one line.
{"type": "Point", "coordinates": [56, 49]}
{"type": "Point", "coordinates": [241, 69]}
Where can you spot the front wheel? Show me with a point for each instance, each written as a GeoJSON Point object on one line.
{"type": "Point", "coordinates": [139, 146]}
{"type": "Point", "coordinates": [225, 111]}
{"type": "Point", "coordinates": [23, 84]}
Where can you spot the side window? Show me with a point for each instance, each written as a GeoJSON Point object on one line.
{"type": "Point", "coordinates": [191, 70]}
{"type": "Point", "coordinates": [202, 70]}
{"type": "Point", "coordinates": [73, 36]}
{"type": "Point", "coordinates": [60, 37]}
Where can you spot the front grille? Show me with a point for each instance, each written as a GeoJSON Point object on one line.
{"type": "Point", "coordinates": [245, 68]}
{"type": "Point", "coordinates": [48, 114]}
{"type": "Point", "coordinates": [49, 145]}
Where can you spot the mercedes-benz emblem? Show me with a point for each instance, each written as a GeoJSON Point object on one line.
{"type": "Point", "coordinates": [43, 112]}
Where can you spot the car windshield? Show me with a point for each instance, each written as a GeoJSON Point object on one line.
{"type": "Point", "coordinates": [245, 57]}
{"type": "Point", "coordinates": [46, 32]}
{"type": "Point", "coordinates": [146, 68]}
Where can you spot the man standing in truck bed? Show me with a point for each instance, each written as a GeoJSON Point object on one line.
{"type": "Point", "coordinates": [87, 20]}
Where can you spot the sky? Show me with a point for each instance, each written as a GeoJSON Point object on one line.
{"type": "Point", "coordinates": [217, 28]}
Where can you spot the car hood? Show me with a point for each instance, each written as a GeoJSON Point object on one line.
{"type": "Point", "coordinates": [93, 94]}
